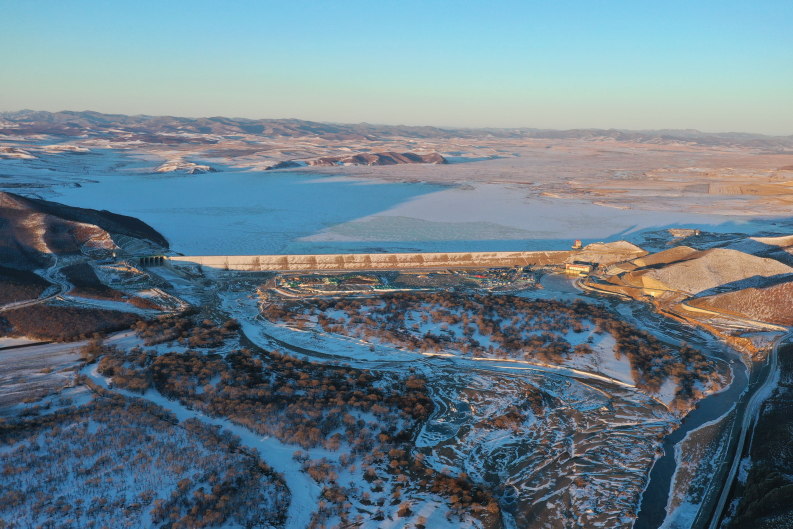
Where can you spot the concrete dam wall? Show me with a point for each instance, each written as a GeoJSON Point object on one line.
{"type": "Point", "coordinates": [380, 261]}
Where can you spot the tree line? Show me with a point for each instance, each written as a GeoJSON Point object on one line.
{"type": "Point", "coordinates": [46, 321]}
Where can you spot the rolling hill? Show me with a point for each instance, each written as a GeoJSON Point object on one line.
{"type": "Point", "coordinates": [33, 230]}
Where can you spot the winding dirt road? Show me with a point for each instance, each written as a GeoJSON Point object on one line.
{"type": "Point", "coordinates": [48, 275]}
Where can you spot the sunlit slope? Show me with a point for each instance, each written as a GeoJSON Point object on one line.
{"type": "Point", "coordinates": [673, 255]}
{"type": "Point", "coordinates": [773, 304]}
{"type": "Point", "coordinates": [711, 269]}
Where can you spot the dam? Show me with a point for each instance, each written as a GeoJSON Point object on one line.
{"type": "Point", "coordinates": [379, 261]}
{"type": "Point", "coordinates": [600, 253]}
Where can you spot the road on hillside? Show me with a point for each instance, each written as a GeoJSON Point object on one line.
{"type": "Point", "coordinates": [48, 275]}
{"type": "Point", "coordinates": [749, 416]}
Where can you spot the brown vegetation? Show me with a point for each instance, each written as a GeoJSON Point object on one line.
{"type": "Point", "coordinates": [307, 404]}
{"type": "Point", "coordinates": [516, 327]}
{"type": "Point", "coordinates": [183, 329]}
{"type": "Point", "coordinates": [62, 323]}
{"type": "Point", "coordinates": [770, 304]}
{"type": "Point", "coordinates": [296, 401]}
{"type": "Point", "coordinates": [134, 461]}
{"type": "Point", "coordinates": [20, 285]}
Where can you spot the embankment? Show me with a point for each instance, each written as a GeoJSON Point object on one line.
{"type": "Point", "coordinates": [390, 261]}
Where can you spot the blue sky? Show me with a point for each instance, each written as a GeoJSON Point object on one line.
{"type": "Point", "coordinates": [711, 65]}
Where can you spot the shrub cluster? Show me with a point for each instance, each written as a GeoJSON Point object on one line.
{"type": "Point", "coordinates": [307, 404]}
{"type": "Point", "coordinates": [20, 285]}
{"type": "Point", "coordinates": [63, 323]}
{"type": "Point", "coordinates": [297, 401]}
{"type": "Point", "coordinates": [118, 462]}
{"type": "Point", "coordinates": [516, 327]}
{"type": "Point", "coordinates": [184, 330]}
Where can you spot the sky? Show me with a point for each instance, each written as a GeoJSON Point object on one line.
{"type": "Point", "coordinates": [715, 66]}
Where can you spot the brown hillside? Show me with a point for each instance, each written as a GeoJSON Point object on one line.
{"type": "Point", "coordinates": [171, 130]}
{"type": "Point", "coordinates": [605, 254]}
{"type": "Point", "coordinates": [32, 230]}
{"type": "Point", "coordinates": [773, 304]}
{"type": "Point", "coordinates": [383, 158]}
{"type": "Point", "coordinates": [672, 255]}
{"type": "Point", "coordinates": [714, 268]}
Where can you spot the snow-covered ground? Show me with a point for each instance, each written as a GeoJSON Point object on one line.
{"type": "Point", "coordinates": [81, 459]}
{"type": "Point", "coordinates": [12, 342]}
{"type": "Point", "coordinates": [697, 458]}
{"type": "Point", "coordinates": [305, 491]}
{"type": "Point", "coordinates": [239, 212]}
{"type": "Point", "coordinates": [468, 392]}
{"type": "Point", "coordinates": [110, 305]}
{"type": "Point", "coordinates": [603, 359]}
{"type": "Point", "coordinates": [365, 354]}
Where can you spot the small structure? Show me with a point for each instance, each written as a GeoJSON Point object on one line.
{"type": "Point", "coordinates": [578, 268]}
{"type": "Point", "coordinates": [577, 245]}
{"type": "Point", "coordinates": [682, 233]}
{"type": "Point", "coordinates": [152, 260]}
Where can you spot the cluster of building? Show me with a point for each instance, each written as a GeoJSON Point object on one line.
{"type": "Point", "coordinates": [579, 268]}
{"type": "Point", "coordinates": [500, 277]}
{"type": "Point", "coordinates": [330, 283]}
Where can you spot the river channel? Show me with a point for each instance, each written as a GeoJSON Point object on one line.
{"type": "Point", "coordinates": [652, 512]}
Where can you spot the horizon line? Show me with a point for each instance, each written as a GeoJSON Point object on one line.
{"type": "Point", "coordinates": [439, 127]}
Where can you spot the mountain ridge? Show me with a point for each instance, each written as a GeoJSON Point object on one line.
{"type": "Point", "coordinates": [168, 129]}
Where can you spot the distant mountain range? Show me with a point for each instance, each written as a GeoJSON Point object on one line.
{"type": "Point", "coordinates": [168, 129]}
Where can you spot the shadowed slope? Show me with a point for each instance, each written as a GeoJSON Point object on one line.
{"type": "Point", "coordinates": [32, 230]}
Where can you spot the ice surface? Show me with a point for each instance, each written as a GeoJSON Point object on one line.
{"type": "Point", "coordinates": [239, 213]}
{"type": "Point", "coordinates": [248, 212]}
